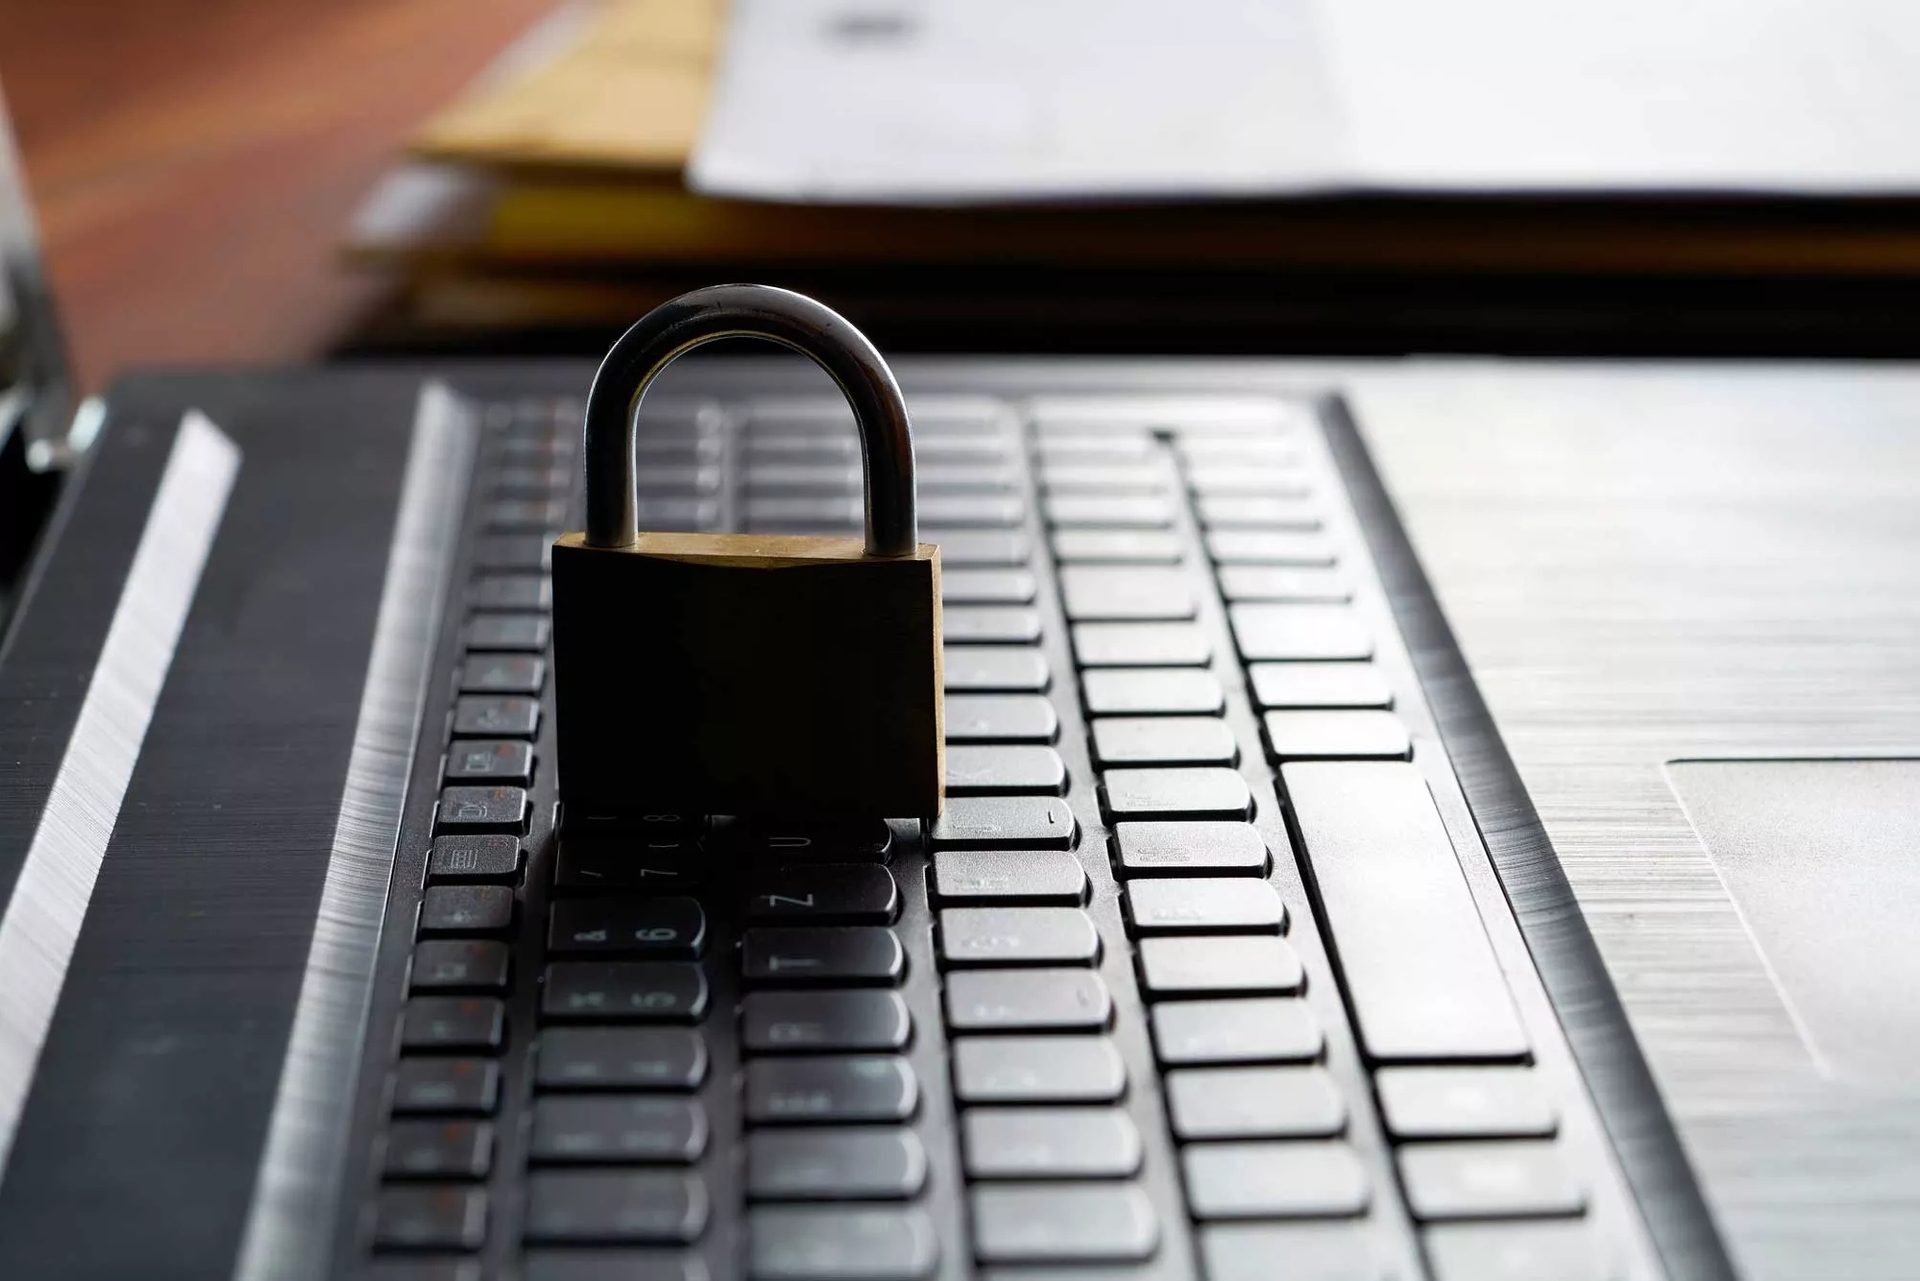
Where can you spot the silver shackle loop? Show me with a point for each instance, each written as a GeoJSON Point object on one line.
{"type": "Point", "coordinates": [780, 316]}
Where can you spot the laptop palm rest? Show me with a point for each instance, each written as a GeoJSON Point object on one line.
{"type": "Point", "coordinates": [1822, 858]}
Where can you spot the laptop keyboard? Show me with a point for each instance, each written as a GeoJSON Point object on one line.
{"type": "Point", "coordinates": [1089, 1024]}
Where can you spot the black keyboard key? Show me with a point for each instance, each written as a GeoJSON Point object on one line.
{"type": "Point", "coordinates": [989, 625]}
{"type": "Point", "coordinates": [829, 894]}
{"type": "Point", "coordinates": [625, 991]}
{"type": "Point", "coordinates": [641, 866]}
{"type": "Point", "coordinates": [1017, 936]}
{"type": "Point", "coordinates": [1308, 685]}
{"type": "Point", "coordinates": [1176, 691]}
{"type": "Point", "coordinates": [792, 840]}
{"type": "Point", "coordinates": [773, 956]}
{"type": "Point", "coordinates": [669, 929]}
{"type": "Point", "coordinates": [1101, 511]}
{"type": "Point", "coordinates": [1336, 735]}
{"type": "Point", "coordinates": [1163, 740]}
{"type": "Point", "coordinates": [1464, 1103]}
{"type": "Point", "coordinates": [840, 1244]}
{"type": "Point", "coordinates": [524, 552]}
{"type": "Point", "coordinates": [1212, 478]}
{"type": "Point", "coordinates": [529, 632]}
{"type": "Point", "coordinates": [496, 760]}
{"type": "Point", "coordinates": [1117, 546]}
{"type": "Point", "coordinates": [1254, 1103]}
{"type": "Point", "coordinates": [463, 1087]}
{"type": "Point", "coordinates": [973, 511]}
{"type": "Point", "coordinates": [1049, 1143]}
{"type": "Point", "coordinates": [1233, 964]}
{"type": "Point", "coordinates": [530, 482]}
{"type": "Point", "coordinates": [503, 674]}
{"type": "Point", "coordinates": [1274, 1180]}
{"type": "Point", "coordinates": [1009, 876]}
{"type": "Point", "coordinates": [1328, 1250]}
{"type": "Point", "coordinates": [430, 1218]}
{"type": "Point", "coordinates": [868, 1163]}
{"type": "Point", "coordinates": [1067, 1000]}
{"type": "Point", "coordinates": [995, 669]}
{"type": "Point", "coordinates": [1525, 1178]}
{"type": "Point", "coordinates": [1419, 973]}
{"type": "Point", "coordinates": [1243, 1031]}
{"type": "Point", "coordinates": [437, 1150]}
{"type": "Point", "coordinates": [513, 592]}
{"type": "Point", "coordinates": [1518, 1252]}
{"type": "Point", "coordinates": [789, 1022]}
{"type": "Point", "coordinates": [405, 1269]}
{"type": "Point", "coordinates": [1269, 547]}
{"type": "Point", "coordinates": [612, 1265]}
{"type": "Point", "coordinates": [1225, 905]}
{"type": "Point", "coordinates": [1125, 593]}
{"type": "Point", "coordinates": [482, 809]}
{"type": "Point", "coordinates": [1189, 849]}
{"type": "Point", "coordinates": [1295, 511]}
{"type": "Point", "coordinates": [620, 1058]}
{"type": "Point", "coordinates": [1005, 771]}
{"type": "Point", "coordinates": [1000, 718]}
{"type": "Point", "coordinates": [1004, 822]}
{"type": "Point", "coordinates": [1098, 446]}
{"type": "Point", "coordinates": [526, 515]}
{"type": "Point", "coordinates": [1089, 476]}
{"type": "Point", "coordinates": [456, 859]}
{"type": "Point", "coordinates": [988, 587]}
{"type": "Point", "coordinates": [453, 1023]}
{"type": "Point", "coordinates": [618, 1129]}
{"type": "Point", "coordinates": [1201, 793]}
{"type": "Point", "coordinates": [1037, 1069]}
{"type": "Point", "coordinates": [486, 716]}
{"type": "Point", "coordinates": [1141, 645]}
{"type": "Point", "coordinates": [1299, 633]}
{"type": "Point", "coordinates": [466, 909]}
{"type": "Point", "coordinates": [460, 965]}
{"type": "Point", "coordinates": [1064, 1223]}
{"type": "Point", "coordinates": [1280, 583]}
{"type": "Point", "coordinates": [967, 547]}
{"type": "Point", "coordinates": [833, 1090]}
{"type": "Point", "coordinates": [567, 1207]}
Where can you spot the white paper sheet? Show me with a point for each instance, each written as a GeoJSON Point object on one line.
{"type": "Point", "coordinates": [952, 101]}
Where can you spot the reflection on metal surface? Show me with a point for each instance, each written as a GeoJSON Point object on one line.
{"type": "Point", "coordinates": [291, 1218]}
{"type": "Point", "coordinates": [49, 902]}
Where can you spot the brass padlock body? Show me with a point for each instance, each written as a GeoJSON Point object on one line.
{"type": "Point", "coordinates": [747, 674]}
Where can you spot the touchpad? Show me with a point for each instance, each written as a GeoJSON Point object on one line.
{"type": "Point", "coordinates": [1823, 859]}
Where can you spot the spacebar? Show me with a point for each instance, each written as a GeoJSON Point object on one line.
{"type": "Point", "coordinates": [1419, 972]}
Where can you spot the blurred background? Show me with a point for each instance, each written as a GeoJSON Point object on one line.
{"type": "Point", "coordinates": [224, 181]}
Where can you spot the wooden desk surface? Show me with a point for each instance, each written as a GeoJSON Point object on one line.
{"type": "Point", "coordinates": [193, 162]}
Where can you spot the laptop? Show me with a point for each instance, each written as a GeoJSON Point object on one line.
{"type": "Point", "coordinates": [1403, 820]}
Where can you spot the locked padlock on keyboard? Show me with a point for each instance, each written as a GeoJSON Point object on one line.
{"type": "Point", "coordinates": [746, 674]}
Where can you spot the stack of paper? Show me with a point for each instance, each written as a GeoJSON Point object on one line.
{"type": "Point", "coordinates": [1049, 163]}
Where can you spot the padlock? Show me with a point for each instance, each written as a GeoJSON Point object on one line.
{"type": "Point", "coordinates": [746, 674]}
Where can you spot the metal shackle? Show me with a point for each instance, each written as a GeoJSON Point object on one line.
{"type": "Point", "coordinates": [781, 316]}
